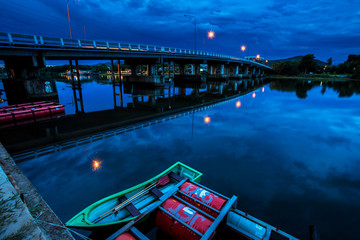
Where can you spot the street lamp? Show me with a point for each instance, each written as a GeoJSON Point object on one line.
{"type": "Point", "coordinates": [67, 5]}
{"type": "Point", "coordinates": [243, 48]}
{"type": "Point", "coordinates": [210, 35]}
{"type": "Point", "coordinates": [195, 29]}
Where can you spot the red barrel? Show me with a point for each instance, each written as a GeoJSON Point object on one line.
{"type": "Point", "coordinates": [125, 236]}
{"type": "Point", "coordinates": [42, 111]}
{"type": "Point", "coordinates": [186, 214]}
{"type": "Point", "coordinates": [202, 195]}
{"type": "Point", "coordinates": [5, 117]}
{"type": "Point", "coordinates": [22, 114]}
{"type": "Point", "coordinates": [56, 109]}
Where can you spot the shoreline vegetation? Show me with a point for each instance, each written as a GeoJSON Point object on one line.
{"type": "Point", "coordinates": [307, 67]}
{"type": "Point", "coordinates": [313, 77]}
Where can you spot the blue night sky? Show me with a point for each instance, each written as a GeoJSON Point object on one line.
{"type": "Point", "coordinates": [273, 29]}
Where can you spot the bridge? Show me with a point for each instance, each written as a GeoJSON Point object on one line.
{"type": "Point", "coordinates": [151, 65]}
{"type": "Point", "coordinates": [30, 52]}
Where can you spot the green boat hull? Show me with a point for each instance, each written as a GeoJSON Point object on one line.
{"type": "Point", "coordinates": [87, 218]}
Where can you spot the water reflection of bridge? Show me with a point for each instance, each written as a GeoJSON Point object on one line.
{"type": "Point", "coordinates": [24, 55]}
{"type": "Point", "coordinates": [152, 106]}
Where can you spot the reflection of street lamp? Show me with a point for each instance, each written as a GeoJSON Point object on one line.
{"type": "Point", "coordinates": [207, 119]}
{"type": "Point", "coordinates": [67, 5]}
{"type": "Point", "coordinates": [195, 29]}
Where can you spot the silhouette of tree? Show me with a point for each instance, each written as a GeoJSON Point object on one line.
{"type": "Point", "coordinates": [329, 62]}
{"type": "Point", "coordinates": [307, 64]}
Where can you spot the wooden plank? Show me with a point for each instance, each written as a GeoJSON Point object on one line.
{"type": "Point", "coordinates": [157, 192]}
{"type": "Point", "coordinates": [130, 207]}
{"type": "Point", "coordinates": [138, 234]}
{"type": "Point", "coordinates": [229, 204]}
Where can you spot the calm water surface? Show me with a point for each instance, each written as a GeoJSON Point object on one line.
{"type": "Point", "coordinates": [292, 162]}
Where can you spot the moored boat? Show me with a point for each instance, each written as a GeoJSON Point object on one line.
{"type": "Point", "coordinates": [120, 208]}
{"type": "Point", "coordinates": [192, 211]}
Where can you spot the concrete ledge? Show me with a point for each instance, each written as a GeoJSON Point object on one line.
{"type": "Point", "coordinates": [28, 219]}
{"type": "Point", "coordinates": [16, 220]}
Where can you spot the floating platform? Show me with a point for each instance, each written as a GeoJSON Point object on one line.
{"type": "Point", "coordinates": [26, 113]}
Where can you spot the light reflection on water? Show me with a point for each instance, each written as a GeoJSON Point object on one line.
{"type": "Point", "coordinates": [291, 161]}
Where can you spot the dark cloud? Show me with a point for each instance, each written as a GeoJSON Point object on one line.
{"type": "Point", "coordinates": [274, 29]}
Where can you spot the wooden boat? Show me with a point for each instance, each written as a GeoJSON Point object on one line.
{"type": "Point", "coordinates": [101, 214]}
{"type": "Point", "coordinates": [187, 214]}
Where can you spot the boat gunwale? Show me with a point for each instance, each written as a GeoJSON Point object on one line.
{"type": "Point", "coordinates": [84, 214]}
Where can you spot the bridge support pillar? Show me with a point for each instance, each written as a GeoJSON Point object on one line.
{"type": "Point", "coordinates": [118, 84]}
{"type": "Point", "coordinates": [222, 69]}
{"type": "Point", "coordinates": [259, 72]}
{"type": "Point", "coordinates": [182, 68]}
{"type": "Point", "coordinates": [221, 88]}
{"type": "Point", "coordinates": [247, 71]}
{"type": "Point", "coordinates": [76, 87]}
{"type": "Point", "coordinates": [24, 67]}
{"type": "Point", "coordinates": [23, 83]}
{"type": "Point", "coordinates": [197, 69]}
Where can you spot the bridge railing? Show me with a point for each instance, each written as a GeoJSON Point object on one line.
{"type": "Point", "coordinates": [24, 40]}
{"type": "Point", "coordinates": [54, 42]}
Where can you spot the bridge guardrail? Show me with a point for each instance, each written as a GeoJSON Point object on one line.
{"type": "Point", "coordinates": [25, 40]}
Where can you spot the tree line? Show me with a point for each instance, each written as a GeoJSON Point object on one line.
{"type": "Point", "coordinates": [308, 65]}
{"type": "Point", "coordinates": [98, 68]}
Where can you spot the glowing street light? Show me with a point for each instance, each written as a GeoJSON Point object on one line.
{"type": "Point", "coordinates": [243, 48]}
{"type": "Point", "coordinates": [258, 56]}
{"type": "Point", "coordinates": [211, 34]}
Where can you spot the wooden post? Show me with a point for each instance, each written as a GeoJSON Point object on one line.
{"type": "Point", "coordinates": [169, 63]}
{"type": "Point", "coordinates": [73, 85]}
{"type": "Point", "coordinates": [120, 83]}
{"type": "Point", "coordinates": [79, 85]}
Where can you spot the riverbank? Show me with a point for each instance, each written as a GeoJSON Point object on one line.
{"type": "Point", "coordinates": [24, 214]}
{"type": "Point", "coordinates": [311, 77]}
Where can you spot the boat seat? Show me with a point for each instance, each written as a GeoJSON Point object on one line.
{"type": "Point", "coordinates": [130, 207]}
{"type": "Point", "coordinates": [175, 176]}
{"type": "Point", "coordinates": [156, 192]}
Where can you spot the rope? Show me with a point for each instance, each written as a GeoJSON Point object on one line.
{"type": "Point", "coordinates": [56, 225]}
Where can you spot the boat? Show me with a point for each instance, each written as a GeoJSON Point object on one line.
{"type": "Point", "coordinates": [195, 212]}
{"type": "Point", "coordinates": [122, 207]}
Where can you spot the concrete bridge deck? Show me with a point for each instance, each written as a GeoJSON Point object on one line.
{"type": "Point", "coordinates": [61, 48]}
